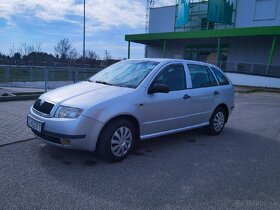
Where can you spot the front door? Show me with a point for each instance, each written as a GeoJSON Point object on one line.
{"type": "Point", "coordinates": [167, 111]}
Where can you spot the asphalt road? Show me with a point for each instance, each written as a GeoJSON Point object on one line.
{"type": "Point", "coordinates": [239, 169]}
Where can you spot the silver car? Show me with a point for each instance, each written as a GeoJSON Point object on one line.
{"type": "Point", "coordinates": [133, 100]}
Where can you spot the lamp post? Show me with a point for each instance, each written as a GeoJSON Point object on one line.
{"type": "Point", "coordinates": [84, 35]}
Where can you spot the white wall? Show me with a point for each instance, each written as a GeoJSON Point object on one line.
{"type": "Point", "coordinates": [162, 19]}
{"type": "Point", "coordinates": [250, 13]}
{"type": "Point", "coordinates": [257, 13]}
{"type": "Point", "coordinates": [254, 81]}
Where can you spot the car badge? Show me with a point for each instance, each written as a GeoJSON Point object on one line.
{"type": "Point", "coordinates": [41, 103]}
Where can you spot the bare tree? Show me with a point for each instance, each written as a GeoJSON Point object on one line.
{"type": "Point", "coordinates": [26, 49]}
{"type": "Point", "coordinates": [39, 46]}
{"type": "Point", "coordinates": [12, 51]}
{"type": "Point", "coordinates": [65, 50]}
{"type": "Point", "coordinates": [90, 54]}
{"type": "Point", "coordinates": [23, 48]}
{"type": "Point", "coordinates": [73, 54]}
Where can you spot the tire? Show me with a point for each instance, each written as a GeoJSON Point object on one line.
{"type": "Point", "coordinates": [217, 121]}
{"type": "Point", "coordinates": [116, 140]}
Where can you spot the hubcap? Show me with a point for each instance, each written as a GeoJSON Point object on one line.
{"type": "Point", "coordinates": [121, 141]}
{"type": "Point", "coordinates": [219, 121]}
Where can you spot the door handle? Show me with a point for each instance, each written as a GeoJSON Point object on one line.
{"type": "Point", "coordinates": [216, 93]}
{"type": "Point", "coordinates": [186, 96]}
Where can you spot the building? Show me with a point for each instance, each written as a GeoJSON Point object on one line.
{"type": "Point", "coordinates": [247, 40]}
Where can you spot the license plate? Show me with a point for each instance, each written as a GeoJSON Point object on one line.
{"type": "Point", "coordinates": [34, 124]}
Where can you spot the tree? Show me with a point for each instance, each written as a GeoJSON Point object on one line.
{"type": "Point", "coordinates": [39, 46]}
{"type": "Point", "coordinates": [65, 50]}
{"type": "Point", "coordinates": [91, 55]}
{"type": "Point", "coordinates": [73, 54]}
{"type": "Point", "coordinates": [17, 56]}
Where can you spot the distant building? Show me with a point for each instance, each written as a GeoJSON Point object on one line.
{"type": "Point", "coordinates": [238, 35]}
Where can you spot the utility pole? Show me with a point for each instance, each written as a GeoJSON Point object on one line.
{"type": "Point", "coordinates": [84, 35]}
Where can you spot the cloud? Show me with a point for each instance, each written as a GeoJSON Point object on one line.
{"type": "Point", "coordinates": [50, 20]}
{"type": "Point", "coordinates": [100, 13]}
{"type": "Point", "coordinates": [161, 3]}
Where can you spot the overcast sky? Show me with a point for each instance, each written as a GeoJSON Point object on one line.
{"type": "Point", "coordinates": [48, 21]}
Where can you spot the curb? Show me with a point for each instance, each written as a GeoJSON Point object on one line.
{"type": "Point", "coordinates": [15, 142]}
{"type": "Point", "coordinates": [19, 97]}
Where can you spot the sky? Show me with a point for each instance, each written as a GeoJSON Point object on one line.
{"type": "Point", "coordinates": [49, 21]}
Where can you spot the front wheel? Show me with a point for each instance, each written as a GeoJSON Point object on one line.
{"type": "Point", "coordinates": [217, 121]}
{"type": "Point", "coordinates": [116, 140]}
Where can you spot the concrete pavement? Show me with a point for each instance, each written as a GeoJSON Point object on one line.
{"type": "Point", "coordinates": [239, 169]}
{"type": "Point", "coordinates": [13, 121]}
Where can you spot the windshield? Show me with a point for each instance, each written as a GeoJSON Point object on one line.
{"type": "Point", "coordinates": [128, 73]}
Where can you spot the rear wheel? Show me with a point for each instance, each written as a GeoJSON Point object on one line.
{"type": "Point", "coordinates": [116, 140]}
{"type": "Point", "coordinates": [217, 121]}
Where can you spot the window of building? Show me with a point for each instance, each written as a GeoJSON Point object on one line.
{"type": "Point", "coordinates": [205, 53]}
{"type": "Point", "coordinates": [265, 9]}
{"type": "Point", "coordinates": [220, 77]}
{"type": "Point", "coordinates": [173, 76]}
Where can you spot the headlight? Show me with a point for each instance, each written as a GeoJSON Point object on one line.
{"type": "Point", "coordinates": [68, 112]}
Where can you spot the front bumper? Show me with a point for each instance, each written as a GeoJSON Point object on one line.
{"type": "Point", "coordinates": [80, 133]}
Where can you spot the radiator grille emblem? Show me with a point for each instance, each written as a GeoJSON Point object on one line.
{"type": "Point", "coordinates": [41, 102]}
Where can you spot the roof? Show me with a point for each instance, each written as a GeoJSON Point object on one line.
{"type": "Point", "coordinates": [233, 32]}
{"type": "Point", "coordinates": [167, 60]}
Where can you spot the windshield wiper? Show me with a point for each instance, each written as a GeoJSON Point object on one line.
{"type": "Point", "coordinates": [103, 82]}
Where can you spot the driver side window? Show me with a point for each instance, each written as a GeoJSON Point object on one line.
{"type": "Point", "coordinates": [172, 76]}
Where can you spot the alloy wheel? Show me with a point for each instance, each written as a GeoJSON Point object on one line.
{"type": "Point", "coordinates": [219, 121]}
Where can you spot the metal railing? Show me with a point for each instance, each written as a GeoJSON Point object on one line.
{"type": "Point", "coordinates": [53, 77]}
{"type": "Point", "coordinates": [249, 68]}
{"type": "Point", "coordinates": [42, 77]}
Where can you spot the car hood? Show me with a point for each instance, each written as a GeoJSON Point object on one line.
{"type": "Point", "coordinates": [84, 94]}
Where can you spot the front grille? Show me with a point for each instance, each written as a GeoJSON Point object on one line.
{"type": "Point", "coordinates": [44, 108]}
{"type": "Point", "coordinates": [47, 138]}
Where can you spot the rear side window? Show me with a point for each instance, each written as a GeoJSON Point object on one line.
{"type": "Point", "coordinates": [221, 78]}
{"type": "Point", "coordinates": [213, 80]}
{"type": "Point", "coordinates": [201, 76]}
{"type": "Point", "coordinates": [173, 76]}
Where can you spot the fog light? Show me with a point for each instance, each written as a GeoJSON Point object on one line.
{"type": "Point", "coordinates": [65, 141]}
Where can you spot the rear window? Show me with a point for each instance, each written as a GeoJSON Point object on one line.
{"type": "Point", "coordinates": [221, 78]}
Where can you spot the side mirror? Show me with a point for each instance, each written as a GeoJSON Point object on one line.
{"type": "Point", "coordinates": [158, 88]}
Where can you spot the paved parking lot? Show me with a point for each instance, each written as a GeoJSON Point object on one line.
{"type": "Point", "coordinates": [239, 169]}
{"type": "Point", "coordinates": [13, 121]}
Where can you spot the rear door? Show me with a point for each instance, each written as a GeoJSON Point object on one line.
{"type": "Point", "coordinates": [203, 92]}
{"type": "Point", "coordinates": [225, 88]}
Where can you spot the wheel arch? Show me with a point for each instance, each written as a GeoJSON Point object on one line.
{"type": "Point", "coordinates": [128, 117]}
{"type": "Point", "coordinates": [224, 107]}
